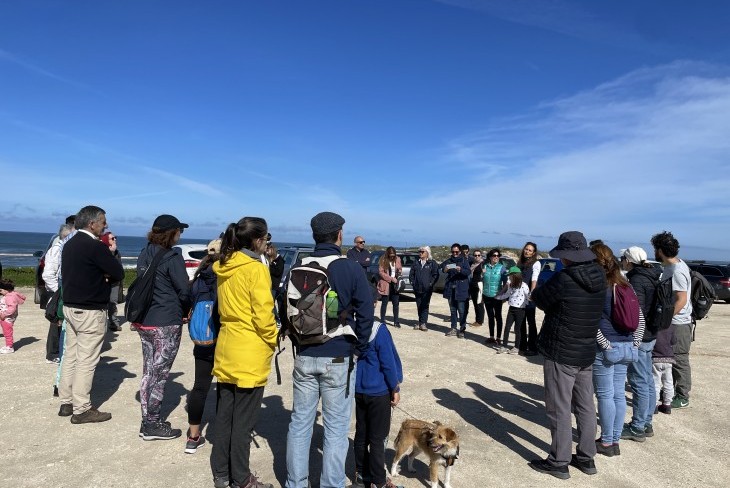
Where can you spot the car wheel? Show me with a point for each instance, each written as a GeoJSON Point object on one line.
{"type": "Point", "coordinates": [727, 300]}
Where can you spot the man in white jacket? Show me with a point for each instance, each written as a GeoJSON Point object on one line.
{"type": "Point", "coordinates": [51, 276]}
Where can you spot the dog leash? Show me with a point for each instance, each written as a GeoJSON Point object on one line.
{"type": "Point", "coordinates": [408, 414]}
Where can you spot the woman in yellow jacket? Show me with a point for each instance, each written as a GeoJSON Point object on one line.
{"type": "Point", "coordinates": [244, 348]}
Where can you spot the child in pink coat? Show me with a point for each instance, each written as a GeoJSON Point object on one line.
{"type": "Point", "coordinates": [9, 301]}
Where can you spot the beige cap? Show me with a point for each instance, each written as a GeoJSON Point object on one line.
{"type": "Point", "coordinates": [214, 246]}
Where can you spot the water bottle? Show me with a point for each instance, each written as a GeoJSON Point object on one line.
{"type": "Point", "coordinates": [332, 304]}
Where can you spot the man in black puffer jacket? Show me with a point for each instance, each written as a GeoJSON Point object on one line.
{"type": "Point", "coordinates": [573, 301]}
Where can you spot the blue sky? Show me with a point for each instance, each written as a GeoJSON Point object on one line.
{"type": "Point", "coordinates": [479, 121]}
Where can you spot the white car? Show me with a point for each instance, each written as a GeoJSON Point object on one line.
{"type": "Point", "coordinates": [192, 255]}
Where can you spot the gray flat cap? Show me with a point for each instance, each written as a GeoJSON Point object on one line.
{"type": "Point", "coordinates": [326, 223]}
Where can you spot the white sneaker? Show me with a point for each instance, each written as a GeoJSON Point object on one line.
{"type": "Point", "coordinates": [6, 350]}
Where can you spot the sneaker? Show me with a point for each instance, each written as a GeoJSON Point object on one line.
{"type": "Point", "coordinates": [476, 324]}
{"type": "Point", "coordinates": [252, 482]}
{"type": "Point", "coordinates": [160, 431]}
{"type": "Point", "coordinates": [91, 416]}
{"type": "Point", "coordinates": [55, 391]}
{"type": "Point", "coordinates": [417, 327]}
{"type": "Point", "coordinates": [460, 335]}
{"type": "Point", "coordinates": [680, 402]}
{"type": "Point", "coordinates": [608, 451]}
{"type": "Point", "coordinates": [115, 327]}
{"type": "Point", "coordinates": [397, 326]}
{"type": "Point", "coordinates": [490, 340]}
{"type": "Point", "coordinates": [633, 434]}
{"type": "Point", "coordinates": [221, 483]}
{"type": "Point", "coordinates": [388, 484]}
{"type": "Point", "coordinates": [358, 482]}
{"type": "Point", "coordinates": [499, 342]}
{"type": "Point", "coordinates": [53, 361]}
{"type": "Point", "coordinates": [193, 444]}
{"type": "Point", "coordinates": [423, 327]}
{"type": "Point", "coordinates": [501, 350]}
{"type": "Point", "coordinates": [542, 466]}
{"type": "Point", "coordinates": [588, 466]}
{"type": "Point", "coordinates": [66, 410]}
{"type": "Point", "coordinates": [513, 350]}
{"type": "Point", "coordinates": [6, 350]}
{"type": "Point", "coordinates": [648, 430]}
{"type": "Point", "coordinates": [451, 333]}
{"type": "Point", "coordinates": [666, 409]}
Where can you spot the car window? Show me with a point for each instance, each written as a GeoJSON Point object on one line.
{"type": "Point", "coordinates": [710, 271]}
{"type": "Point", "coordinates": [375, 259]}
{"type": "Point", "coordinates": [288, 257]}
{"type": "Point", "coordinates": [548, 266]}
{"type": "Point", "coordinates": [198, 254]}
{"type": "Point", "coordinates": [304, 254]}
{"type": "Point", "coordinates": [407, 260]}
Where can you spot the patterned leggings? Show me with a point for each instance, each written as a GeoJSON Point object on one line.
{"type": "Point", "coordinates": [159, 349]}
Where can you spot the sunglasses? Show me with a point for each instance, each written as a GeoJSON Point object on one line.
{"type": "Point", "coordinates": [421, 250]}
{"type": "Point", "coordinates": [494, 255]}
{"type": "Point", "coordinates": [477, 255]}
{"type": "Point", "coordinates": [455, 252]}
{"type": "Point", "coordinates": [360, 242]}
{"type": "Point", "coordinates": [112, 238]}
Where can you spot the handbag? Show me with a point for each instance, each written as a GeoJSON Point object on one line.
{"type": "Point", "coordinates": [54, 307]}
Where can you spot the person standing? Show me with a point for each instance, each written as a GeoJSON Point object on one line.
{"type": "Point", "coordinates": [243, 351]}
{"type": "Point", "coordinates": [644, 279]}
{"type": "Point", "coordinates": [51, 277]}
{"type": "Point", "coordinates": [456, 289]}
{"type": "Point", "coordinates": [327, 369]}
{"type": "Point", "coordinates": [494, 276]}
{"type": "Point", "coordinates": [573, 301]}
{"type": "Point", "coordinates": [114, 324]}
{"type": "Point", "coordinates": [87, 268]}
{"type": "Point", "coordinates": [475, 287]}
{"type": "Point", "coordinates": [390, 270]}
{"type": "Point", "coordinates": [666, 249]}
{"type": "Point", "coordinates": [423, 276]}
{"type": "Point", "coordinates": [359, 254]}
{"type": "Point", "coordinates": [530, 267]}
{"type": "Point", "coordinates": [160, 330]}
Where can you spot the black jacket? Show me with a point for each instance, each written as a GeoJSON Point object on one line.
{"type": "Point", "coordinates": [171, 295]}
{"type": "Point", "coordinates": [87, 269]}
{"type": "Point", "coordinates": [573, 303]}
{"type": "Point", "coordinates": [644, 281]}
{"type": "Point", "coordinates": [204, 287]}
{"type": "Point", "coordinates": [423, 277]}
{"type": "Point", "coordinates": [276, 269]}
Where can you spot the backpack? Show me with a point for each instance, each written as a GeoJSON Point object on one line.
{"type": "Point", "coordinates": [139, 294]}
{"type": "Point", "coordinates": [661, 310]}
{"type": "Point", "coordinates": [201, 327]}
{"type": "Point", "coordinates": [703, 295]}
{"type": "Point", "coordinates": [312, 306]}
{"type": "Point", "coordinates": [625, 309]}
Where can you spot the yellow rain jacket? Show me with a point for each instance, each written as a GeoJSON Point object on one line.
{"type": "Point", "coordinates": [247, 337]}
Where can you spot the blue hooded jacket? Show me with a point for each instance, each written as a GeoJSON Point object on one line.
{"type": "Point", "coordinates": [379, 370]}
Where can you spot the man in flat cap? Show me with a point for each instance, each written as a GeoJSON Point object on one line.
{"type": "Point", "coordinates": [326, 368]}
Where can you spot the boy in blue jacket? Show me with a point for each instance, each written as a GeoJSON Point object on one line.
{"type": "Point", "coordinates": [377, 390]}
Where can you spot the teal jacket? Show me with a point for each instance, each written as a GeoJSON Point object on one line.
{"type": "Point", "coordinates": [493, 277]}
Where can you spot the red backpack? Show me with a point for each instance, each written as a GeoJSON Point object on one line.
{"type": "Point", "coordinates": [625, 309]}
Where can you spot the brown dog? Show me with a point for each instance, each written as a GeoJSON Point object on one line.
{"type": "Point", "coordinates": [438, 442]}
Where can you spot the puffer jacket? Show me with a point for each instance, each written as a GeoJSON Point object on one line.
{"type": "Point", "coordinates": [493, 277]}
{"type": "Point", "coordinates": [171, 294]}
{"type": "Point", "coordinates": [457, 280]}
{"type": "Point", "coordinates": [247, 336]}
{"type": "Point", "coordinates": [573, 302]}
{"type": "Point", "coordinates": [644, 281]}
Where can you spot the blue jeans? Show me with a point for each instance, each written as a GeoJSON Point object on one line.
{"type": "Point", "coordinates": [458, 313]}
{"type": "Point", "coordinates": [609, 377]}
{"type": "Point", "coordinates": [313, 378]}
{"type": "Point", "coordinates": [641, 380]}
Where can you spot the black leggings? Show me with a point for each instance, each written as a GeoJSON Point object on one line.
{"type": "Point", "coordinates": [494, 314]}
{"type": "Point", "coordinates": [528, 331]}
{"type": "Point", "coordinates": [199, 393]}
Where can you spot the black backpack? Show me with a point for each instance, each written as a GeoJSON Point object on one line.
{"type": "Point", "coordinates": [703, 295]}
{"type": "Point", "coordinates": [661, 310]}
{"type": "Point", "coordinates": [139, 294]}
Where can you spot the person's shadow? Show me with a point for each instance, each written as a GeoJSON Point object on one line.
{"type": "Point", "coordinates": [492, 422]}
{"type": "Point", "coordinates": [109, 376]}
{"type": "Point", "coordinates": [25, 341]}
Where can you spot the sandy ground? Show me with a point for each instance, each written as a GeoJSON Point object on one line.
{"type": "Point", "coordinates": [495, 402]}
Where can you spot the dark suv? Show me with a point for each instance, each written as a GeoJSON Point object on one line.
{"type": "Point", "coordinates": [407, 259]}
{"type": "Point", "coordinates": [439, 286]}
{"type": "Point", "coordinates": [718, 274]}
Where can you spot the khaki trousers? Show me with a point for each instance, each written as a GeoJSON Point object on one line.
{"type": "Point", "coordinates": [85, 331]}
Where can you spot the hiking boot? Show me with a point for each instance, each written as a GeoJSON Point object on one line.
{"type": "Point", "coordinates": [633, 434]}
{"type": "Point", "coordinates": [66, 410]}
{"type": "Point", "coordinates": [193, 444]}
{"type": "Point", "coordinates": [423, 327]}
{"type": "Point", "coordinates": [680, 402]}
{"type": "Point", "coordinates": [608, 451]}
{"type": "Point", "coordinates": [221, 483]}
{"type": "Point", "coordinates": [588, 466]}
{"type": "Point", "coordinates": [91, 416]}
{"type": "Point", "coordinates": [666, 409]}
{"type": "Point", "coordinates": [252, 482]}
{"type": "Point", "coordinates": [160, 431]}
{"type": "Point", "coordinates": [542, 466]}
{"type": "Point", "coordinates": [476, 324]}
{"type": "Point", "coordinates": [451, 333]}
{"type": "Point", "coordinates": [648, 430]}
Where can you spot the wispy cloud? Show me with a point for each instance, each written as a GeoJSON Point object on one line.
{"type": "Point", "coordinates": [645, 151]}
{"type": "Point", "coordinates": [34, 68]}
{"type": "Point", "coordinates": [192, 185]}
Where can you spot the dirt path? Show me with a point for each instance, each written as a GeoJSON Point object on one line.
{"type": "Point", "coordinates": [495, 402]}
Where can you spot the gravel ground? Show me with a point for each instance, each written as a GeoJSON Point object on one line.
{"type": "Point", "coordinates": [495, 403]}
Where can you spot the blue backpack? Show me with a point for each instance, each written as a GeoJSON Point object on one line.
{"type": "Point", "coordinates": [201, 324]}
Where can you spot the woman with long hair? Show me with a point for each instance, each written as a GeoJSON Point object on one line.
{"type": "Point", "coordinates": [616, 350]}
{"type": "Point", "coordinates": [530, 267]}
{"type": "Point", "coordinates": [390, 270]}
{"type": "Point", "coordinates": [161, 328]}
{"type": "Point", "coordinates": [244, 348]}
{"type": "Point", "coordinates": [494, 275]}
